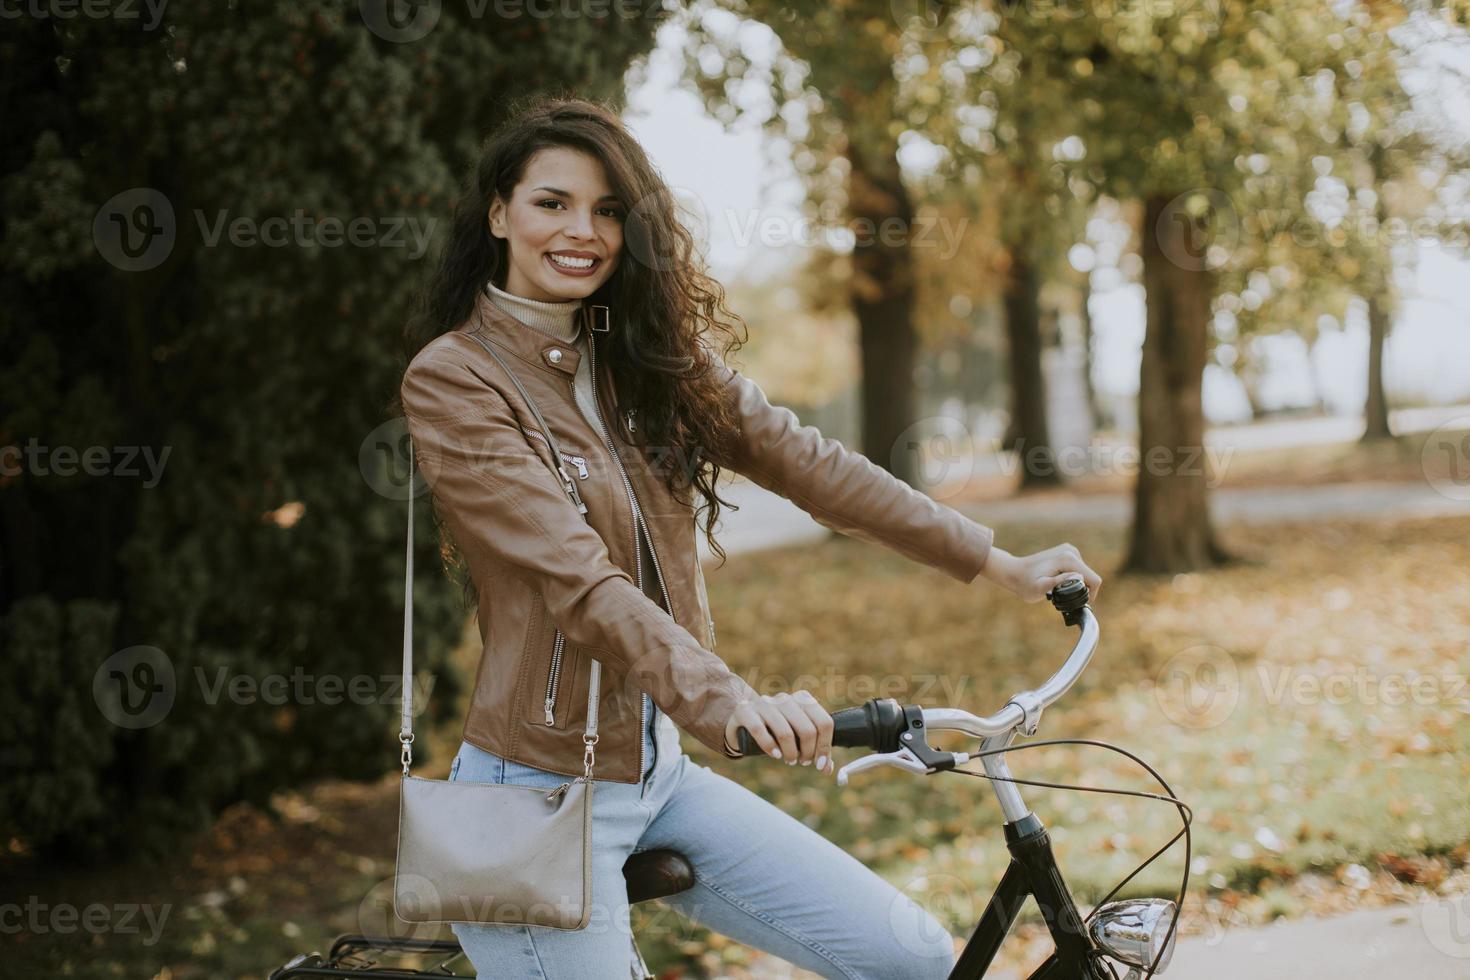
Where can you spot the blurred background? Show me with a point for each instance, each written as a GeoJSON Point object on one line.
{"type": "Point", "coordinates": [1183, 284]}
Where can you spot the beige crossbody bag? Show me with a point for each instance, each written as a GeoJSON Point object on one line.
{"type": "Point", "coordinates": [489, 852]}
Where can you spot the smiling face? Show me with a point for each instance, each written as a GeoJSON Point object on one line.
{"type": "Point", "coordinates": [563, 226]}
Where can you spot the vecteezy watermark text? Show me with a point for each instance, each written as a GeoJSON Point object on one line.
{"type": "Point", "coordinates": [137, 230]}
{"type": "Point", "coordinates": [91, 9]}
{"type": "Point", "coordinates": [137, 687]}
{"type": "Point", "coordinates": [39, 460]}
{"type": "Point", "coordinates": [122, 918]}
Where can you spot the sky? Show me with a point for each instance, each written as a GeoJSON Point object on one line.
{"type": "Point", "coordinates": [742, 199]}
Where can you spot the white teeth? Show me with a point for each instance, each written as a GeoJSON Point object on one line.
{"type": "Point", "coordinates": [571, 263]}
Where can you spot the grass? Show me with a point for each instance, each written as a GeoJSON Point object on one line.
{"type": "Point", "coordinates": [1258, 691]}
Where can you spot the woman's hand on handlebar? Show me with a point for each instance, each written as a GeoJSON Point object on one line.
{"type": "Point", "coordinates": [1031, 577]}
{"type": "Point", "coordinates": [791, 727]}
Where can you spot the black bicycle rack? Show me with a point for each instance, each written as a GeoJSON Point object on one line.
{"type": "Point", "coordinates": [356, 956]}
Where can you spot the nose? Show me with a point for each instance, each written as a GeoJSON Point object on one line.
{"type": "Point", "coordinates": [579, 226]}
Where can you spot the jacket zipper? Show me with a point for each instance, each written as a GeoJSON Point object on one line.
{"type": "Point", "coordinates": [638, 522]}
{"type": "Point", "coordinates": [580, 462]}
{"type": "Point", "coordinates": [553, 676]}
{"type": "Point", "coordinates": [558, 645]}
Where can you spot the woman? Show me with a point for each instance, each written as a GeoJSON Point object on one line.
{"type": "Point", "coordinates": [566, 256]}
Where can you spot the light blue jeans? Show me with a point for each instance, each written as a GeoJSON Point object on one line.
{"type": "Point", "coordinates": [763, 878]}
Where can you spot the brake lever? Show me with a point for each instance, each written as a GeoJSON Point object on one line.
{"type": "Point", "coordinates": [904, 759]}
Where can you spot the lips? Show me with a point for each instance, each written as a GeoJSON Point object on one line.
{"type": "Point", "coordinates": [580, 264]}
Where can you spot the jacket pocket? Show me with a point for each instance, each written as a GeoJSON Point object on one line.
{"type": "Point", "coordinates": [553, 661]}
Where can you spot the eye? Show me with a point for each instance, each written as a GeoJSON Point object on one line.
{"type": "Point", "coordinates": [613, 211]}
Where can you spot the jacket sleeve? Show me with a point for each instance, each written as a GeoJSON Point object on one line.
{"type": "Point", "coordinates": [502, 500]}
{"type": "Point", "coordinates": [844, 490]}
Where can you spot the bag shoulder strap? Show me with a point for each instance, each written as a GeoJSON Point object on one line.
{"type": "Point", "coordinates": [405, 731]}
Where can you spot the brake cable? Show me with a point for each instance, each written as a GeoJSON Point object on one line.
{"type": "Point", "coordinates": [1186, 815]}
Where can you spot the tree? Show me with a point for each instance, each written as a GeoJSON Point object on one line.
{"type": "Point", "coordinates": [212, 229]}
{"type": "Point", "coordinates": [833, 99]}
{"type": "Point", "coordinates": [992, 112]}
{"type": "Point", "coordinates": [1207, 117]}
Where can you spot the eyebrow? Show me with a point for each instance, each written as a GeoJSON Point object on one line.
{"type": "Point", "coordinates": [559, 191]}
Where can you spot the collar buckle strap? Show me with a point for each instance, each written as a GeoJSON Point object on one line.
{"type": "Point", "coordinates": [597, 317]}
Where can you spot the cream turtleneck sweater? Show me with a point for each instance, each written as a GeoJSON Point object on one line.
{"type": "Point", "coordinates": [561, 321]}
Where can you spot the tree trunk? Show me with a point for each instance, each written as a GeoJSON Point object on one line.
{"type": "Point", "coordinates": [1028, 434]}
{"type": "Point", "coordinates": [1253, 398]}
{"type": "Point", "coordinates": [1172, 531]}
{"type": "Point", "coordinates": [1379, 307]}
{"type": "Point", "coordinates": [1376, 408]}
{"type": "Point", "coordinates": [1094, 405]}
{"type": "Point", "coordinates": [883, 302]}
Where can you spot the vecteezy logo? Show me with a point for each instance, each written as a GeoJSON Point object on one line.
{"type": "Point", "coordinates": [385, 465]}
{"type": "Point", "coordinates": [1198, 687]}
{"type": "Point", "coordinates": [916, 927]}
{"type": "Point", "coordinates": [135, 230]}
{"type": "Point", "coordinates": [1198, 229]}
{"type": "Point", "coordinates": [400, 21]}
{"type": "Point", "coordinates": [940, 450]}
{"type": "Point", "coordinates": [410, 894]}
{"type": "Point", "coordinates": [1445, 458]}
{"type": "Point", "coordinates": [639, 238]}
{"type": "Point", "coordinates": [134, 688]}
{"type": "Point", "coordinates": [924, 17]}
{"type": "Point", "coordinates": [1446, 924]}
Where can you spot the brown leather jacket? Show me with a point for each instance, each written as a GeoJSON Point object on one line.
{"type": "Point", "coordinates": [549, 576]}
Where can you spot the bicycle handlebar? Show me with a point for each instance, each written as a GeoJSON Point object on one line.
{"type": "Point", "coordinates": [879, 723]}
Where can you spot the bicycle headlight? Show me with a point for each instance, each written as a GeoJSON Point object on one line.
{"type": "Point", "coordinates": [1133, 931]}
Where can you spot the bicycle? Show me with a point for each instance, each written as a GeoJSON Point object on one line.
{"type": "Point", "coordinates": [1139, 933]}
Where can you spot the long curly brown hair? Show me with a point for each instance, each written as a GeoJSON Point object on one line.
{"type": "Point", "coordinates": [666, 304]}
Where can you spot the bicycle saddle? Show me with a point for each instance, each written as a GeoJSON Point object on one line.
{"type": "Point", "coordinates": [654, 874]}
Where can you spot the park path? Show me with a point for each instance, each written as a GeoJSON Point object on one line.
{"type": "Point", "coordinates": [1402, 942]}
{"type": "Point", "coordinates": [1256, 505]}
{"type": "Point", "coordinates": [766, 520]}
{"type": "Point", "coordinates": [1425, 942]}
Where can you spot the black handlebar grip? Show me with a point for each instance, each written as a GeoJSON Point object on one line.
{"type": "Point", "coordinates": [746, 743]}
{"type": "Point", "coordinates": [1069, 598]}
{"type": "Point", "coordinates": [874, 724]}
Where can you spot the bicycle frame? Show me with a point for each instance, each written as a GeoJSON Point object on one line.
{"type": "Point", "coordinates": [1032, 872]}
{"type": "Point", "coordinates": [1033, 868]}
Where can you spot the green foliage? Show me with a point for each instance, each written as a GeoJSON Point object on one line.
{"type": "Point", "coordinates": [1245, 113]}
{"type": "Point", "coordinates": [258, 552]}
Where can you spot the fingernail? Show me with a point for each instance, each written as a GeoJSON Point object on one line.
{"type": "Point", "coordinates": [775, 753]}
{"type": "Point", "coordinates": [821, 762]}
{"type": "Point", "coordinates": [806, 762]}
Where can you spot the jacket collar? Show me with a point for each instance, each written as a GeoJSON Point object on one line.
{"type": "Point", "coordinates": [525, 342]}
